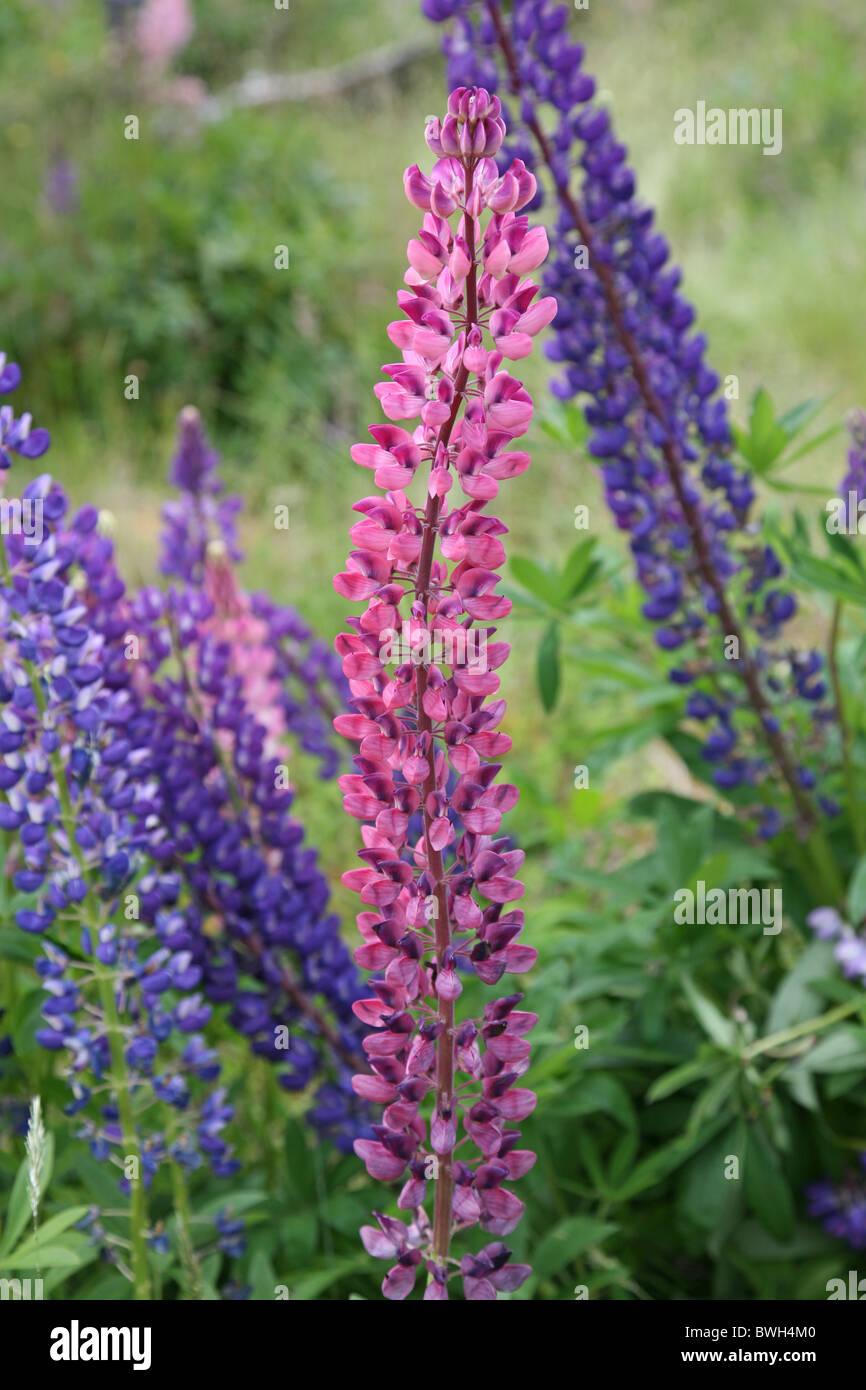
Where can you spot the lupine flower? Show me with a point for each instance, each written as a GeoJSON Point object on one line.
{"type": "Point", "coordinates": [305, 682]}
{"type": "Point", "coordinates": [660, 431]}
{"type": "Point", "coordinates": [854, 483]}
{"type": "Point", "coordinates": [163, 28]}
{"type": "Point", "coordinates": [112, 783]}
{"type": "Point", "coordinates": [17, 436]}
{"type": "Point", "coordinates": [201, 512]}
{"type": "Point", "coordinates": [73, 755]}
{"type": "Point", "coordinates": [841, 1206]}
{"type": "Point", "coordinates": [230, 1234]}
{"type": "Point", "coordinates": [849, 945]}
{"type": "Point", "coordinates": [430, 737]}
{"type": "Point", "coordinates": [250, 676]}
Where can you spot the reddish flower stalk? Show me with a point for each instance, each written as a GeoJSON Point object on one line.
{"type": "Point", "coordinates": [419, 680]}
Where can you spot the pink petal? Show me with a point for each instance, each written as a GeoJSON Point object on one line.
{"type": "Point", "coordinates": [376, 1243]}
{"type": "Point", "coordinates": [510, 1277]}
{"type": "Point", "coordinates": [475, 1290]}
{"type": "Point", "coordinates": [443, 1134]}
{"type": "Point", "coordinates": [514, 346]}
{"type": "Point", "coordinates": [519, 959]}
{"type": "Point", "coordinates": [448, 985]}
{"type": "Point", "coordinates": [518, 1163]}
{"type": "Point", "coordinates": [441, 832]}
{"type": "Point", "coordinates": [532, 253]}
{"type": "Point", "coordinates": [373, 1088]}
{"type": "Point", "coordinates": [538, 316]}
{"type": "Point", "coordinates": [378, 1161]}
{"type": "Point", "coordinates": [516, 1104]}
{"type": "Point", "coordinates": [399, 1282]}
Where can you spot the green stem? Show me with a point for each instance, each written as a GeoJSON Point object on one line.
{"type": "Point", "coordinates": [800, 1030]}
{"type": "Point", "coordinates": [189, 1263]}
{"type": "Point", "coordinates": [117, 1077]}
{"type": "Point", "coordinates": [854, 807]}
{"type": "Point", "coordinates": [827, 875]}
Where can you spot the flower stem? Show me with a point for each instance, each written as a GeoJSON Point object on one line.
{"type": "Point", "coordinates": [445, 1043]}
{"type": "Point", "coordinates": [188, 1260]}
{"type": "Point", "coordinates": [800, 1030]}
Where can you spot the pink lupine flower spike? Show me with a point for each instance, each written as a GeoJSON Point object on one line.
{"type": "Point", "coordinates": [439, 886]}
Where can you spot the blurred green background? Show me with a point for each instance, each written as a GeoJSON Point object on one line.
{"type": "Point", "coordinates": [155, 258]}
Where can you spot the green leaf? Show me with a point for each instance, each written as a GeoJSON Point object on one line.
{"type": "Point", "coordinates": [49, 1230]}
{"type": "Point", "coordinates": [841, 1050]}
{"type": "Point", "coordinates": [857, 893]}
{"type": "Point", "coordinates": [672, 1081]}
{"type": "Point", "coordinates": [237, 1202]}
{"type": "Point", "coordinates": [811, 572]}
{"type": "Point", "coordinates": [262, 1277]}
{"type": "Point", "coordinates": [811, 444]}
{"type": "Point", "coordinates": [795, 1000]}
{"type": "Point", "coordinates": [711, 1019]}
{"type": "Point", "coordinates": [565, 1242]}
{"type": "Point", "coordinates": [537, 580]}
{"type": "Point", "coordinates": [846, 551]}
{"type": "Point", "coordinates": [579, 572]}
{"type": "Point", "coordinates": [703, 1188]}
{"type": "Point", "coordinates": [18, 1211]}
{"type": "Point", "coordinates": [767, 1189]}
{"type": "Point", "coordinates": [766, 438]}
{"type": "Point", "coordinates": [807, 1240]}
{"type": "Point", "coordinates": [43, 1257]}
{"type": "Point", "coordinates": [548, 668]}
{"type": "Point", "coordinates": [18, 946]}
{"type": "Point", "coordinates": [664, 1161]}
{"type": "Point", "coordinates": [564, 422]}
{"type": "Point", "coordinates": [796, 419]}
{"type": "Point", "coordinates": [305, 1285]}
{"type": "Point", "coordinates": [596, 1094]}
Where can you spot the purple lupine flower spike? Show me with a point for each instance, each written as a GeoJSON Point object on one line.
{"type": "Point", "coordinates": [854, 482]}
{"type": "Point", "coordinates": [252, 676]}
{"type": "Point", "coordinates": [174, 788]}
{"type": "Point", "coordinates": [660, 433]}
{"type": "Point", "coordinates": [77, 800]}
{"type": "Point", "coordinates": [422, 673]}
